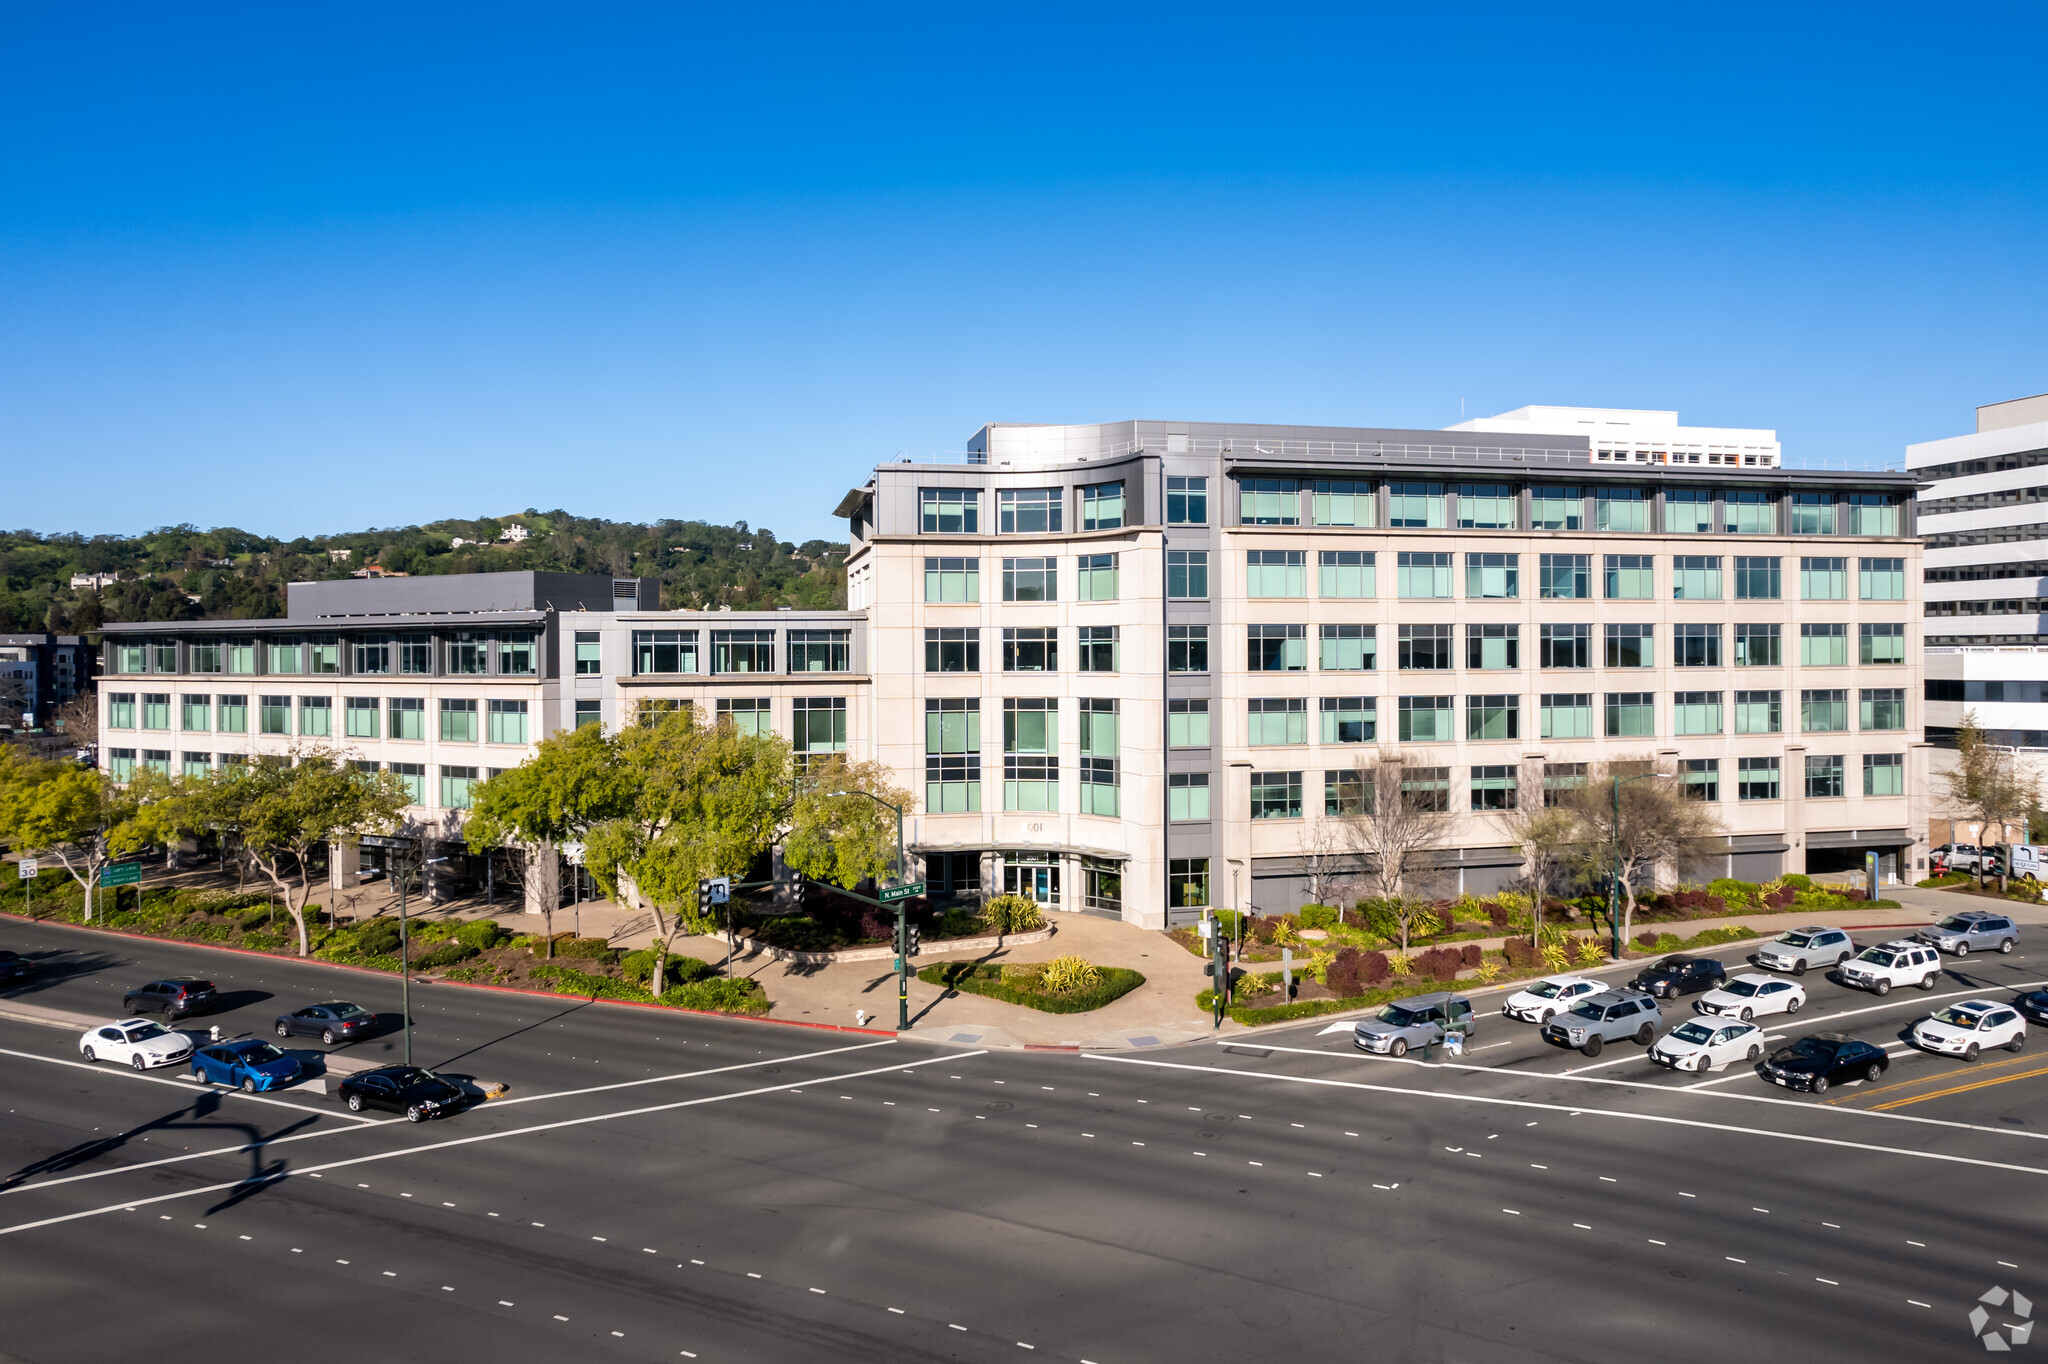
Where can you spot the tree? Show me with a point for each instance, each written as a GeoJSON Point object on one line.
{"type": "Point", "coordinates": [571, 783]}
{"type": "Point", "coordinates": [282, 809]}
{"type": "Point", "coordinates": [1397, 813]}
{"type": "Point", "coordinates": [79, 718]}
{"type": "Point", "coordinates": [836, 832]}
{"type": "Point", "coordinates": [1544, 831]}
{"type": "Point", "coordinates": [1987, 784]}
{"type": "Point", "coordinates": [1630, 830]}
{"type": "Point", "coordinates": [1325, 853]}
{"type": "Point", "coordinates": [81, 816]}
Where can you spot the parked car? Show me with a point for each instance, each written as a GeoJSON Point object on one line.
{"type": "Point", "coordinates": [1826, 1058]}
{"type": "Point", "coordinates": [1417, 1021]}
{"type": "Point", "coordinates": [2033, 1005]}
{"type": "Point", "coordinates": [1797, 949]}
{"type": "Point", "coordinates": [1611, 1016]}
{"type": "Point", "coordinates": [1697, 1044]}
{"type": "Point", "coordinates": [174, 998]}
{"type": "Point", "coordinates": [1956, 856]}
{"type": "Point", "coordinates": [1977, 929]}
{"type": "Point", "coordinates": [339, 1021]}
{"type": "Point", "coordinates": [14, 966]}
{"type": "Point", "coordinates": [1879, 968]}
{"type": "Point", "coordinates": [249, 1066]}
{"type": "Point", "coordinates": [1551, 995]}
{"type": "Point", "coordinates": [137, 1041]}
{"type": "Point", "coordinates": [2026, 861]}
{"type": "Point", "coordinates": [1679, 975]}
{"type": "Point", "coordinates": [1751, 994]}
{"type": "Point", "coordinates": [1969, 1027]}
{"type": "Point", "coordinates": [419, 1094]}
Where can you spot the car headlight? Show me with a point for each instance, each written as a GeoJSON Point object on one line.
{"type": "Point", "coordinates": [1576, 1034]}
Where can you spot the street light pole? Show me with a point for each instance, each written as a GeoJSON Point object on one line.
{"type": "Point", "coordinates": [902, 945]}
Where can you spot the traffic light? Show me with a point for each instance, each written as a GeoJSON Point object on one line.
{"type": "Point", "coordinates": [911, 947]}
{"type": "Point", "coordinates": [704, 896]}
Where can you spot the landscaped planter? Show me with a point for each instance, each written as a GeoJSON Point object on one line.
{"type": "Point", "coordinates": [751, 947]}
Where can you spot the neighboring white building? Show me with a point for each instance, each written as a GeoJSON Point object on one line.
{"type": "Point", "coordinates": [1625, 436]}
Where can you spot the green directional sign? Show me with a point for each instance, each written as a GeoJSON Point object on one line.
{"type": "Point", "coordinates": [122, 874]}
{"type": "Point", "coordinates": [908, 891]}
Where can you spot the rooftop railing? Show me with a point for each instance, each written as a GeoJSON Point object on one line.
{"type": "Point", "coordinates": [1391, 452]}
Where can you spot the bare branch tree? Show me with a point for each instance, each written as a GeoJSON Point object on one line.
{"type": "Point", "coordinates": [79, 718]}
{"type": "Point", "coordinates": [1987, 784]}
{"type": "Point", "coordinates": [1544, 831]}
{"type": "Point", "coordinates": [1634, 818]}
{"type": "Point", "coordinates": [1390, 812]}
{"type": "Point", "coordinates": [1324, 851]}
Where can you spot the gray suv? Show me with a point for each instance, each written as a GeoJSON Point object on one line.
{"type": "Point", "coordinates": [1611, 1016]}
{"type": "Point", "coordinates": [1796, 949]}
{"type": "Point", "coordinates": [1973, 929]}
{"type": "Point", "coordinates": [1416, 1021]}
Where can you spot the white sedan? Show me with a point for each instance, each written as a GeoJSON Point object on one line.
{"type": "Point", "coordinates": [1551, 995]}
{"type": "Point", "coordinates": [1746, 996]}
{"type": "Point", "coordinates": [1970, 1027]}
{"type": "Point", "coordinates": [1699, 1045]}
{"type": "Point", "coordinates": [137, 1041]}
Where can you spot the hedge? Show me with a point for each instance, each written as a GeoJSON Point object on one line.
{"type": "Point", "coordinates": [983, 979]}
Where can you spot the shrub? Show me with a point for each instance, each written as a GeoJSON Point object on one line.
{"type": "Point", "coordinates": [719, 994]}
{"type": "Point", "coordinates": [1113, 982]}
{"type": "Point", "coordinates": [637, 967]}
{"type": "Point", "coordinates": [1797, 880]}
{"type": "Point", "coordinates": [1070, 974]}
{"type": "Point", "coordinates": [1373, 968]}
{"type": "Point", "coordinates": [1318, 916]}
{"type": "Point", "coordinates": [255, 918]}
{"type": "Point", "coordinates": [1016, 972]}
{"type": "Point", "coordinates": [569, 945]}
{"type": "Point", "coordinates": [378, 938]}
{"type": "Point", "coordinates": [1591, 953]}
{"type": "Point", "coordinates": [1498, 914]}
{"type": "Point", "coordinates": [1646, 940]}
{"type": "Point", "coordinates": [482, 934]}
{"type": "Point", "coordinates": [1470, 955]}
{"type": "Point", "coordinates": [1013, 914]}
{"type": "Point", "coordinates": [262, 942]}
{"type": "Point", "coordinates": [1488, 972]}
{"type": "Point", "coordinates": [1733, 893]}
{"type": "Point", "coordinates": [447, 954]}
{"type": "Point", "coordinates": [1520, 952]}
{"type": "Point", "coordinates": [1400, 963]}
{"type": "Point", "coordinates": [1554, 958]}
{"type": "Point", "coordinates": [1342, 973]}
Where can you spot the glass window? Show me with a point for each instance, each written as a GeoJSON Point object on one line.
{"type": "Point", "coordinates": [1631, 714]}
{"type": "Point", "coordinates": [1423, 719]}
{"type": "Point", "coordinates": [1187, 796]}
{"type": "Point", "coordinates": [1269, 501]}
{"type": "Point", "coordinates": [1621, 509]}
{"type": "Point", "coordinates": [458, 785]}
{"type": "Point", "coordinates": [323, 654]}
{"type": "Point", "coordinates": [157, 760]}
{"type": "Point", "coordinates": [131, 658]}
{"type": "Point", "coordinates": [1884, 708]}
{"type": "Point", "coordinates": [1187, 722]}
{"type": "Point", "coordinates": [1344, 502]}
{"type": "Point", "coordinates": [196, 764]}
{"type": "Point", "coordinates": [952, 755]}
{"type": "Point", "coordinates": [1881, 579]}
{"type": "Point", "coordinates": [1346, 573]}
{"type": "Point", "coordinates": [1824, 710]}
{"type": "Point", "coordinates": [1426, 789]}
{"type": "Point", "coordinates": [1416, 506]}
{"type": "Point", "coordinates": [1487, 506]}
{"type": "Point", "coordinates": [1565, 715]}
{"type": "Point", "coordinates": [1422, 575]}
{"type": "Point", "coordinates": [287, 656]}
{"type": "Point", "coordinates": [1823, 579]}
{"type": "Point", "coordinates": [1759, 712]}
{"type": "Point", "coordinates": [1030, 511]}
{"type": "Point", "coordinates": [163, 657]}
{"type": "Point", "coordinates": [1423, 648]}
{"type": "Point", "coordinates": [1696, 577]}
{"type": "Point", "coordinates": [407, 716]}
{"type": "Point", "coordinates": [195, 714]}
{"type": "Point", "coordinates": [1702, 777]}
{"type": "Point", "coordinates": [1493, 717]}
{"type": "Point", "coordinates": [508, 722]}
{"type": "Point", "coordinates": [950, 511]}
{"type": "Point", "coordinates": [1559, 778]}
{"type": "Point", "coordinates": [1565, 577]}
{"type": "Point", "coordinates": [1630, 577]}
{"type": "Point", "coordinates": [1824, 644]}
{"type": "Point", "coordinates": [467, 653]}
{"type": "Point", "coordinates": [1188, 879]}
{"type": "Point", "coordinates": [276, 714]}
{"type": "Point", "coordinates": [747, 714]}
{"type": "Point", "coordinates": [372, 655]}
{"type": "Point", "coordinates": [416, 654]}
{"type": "Point", "coordinates": [458, 721]}
{"type": "Point", "coordinates": [1493, 787]}
{"type": "Point", "coordinates": [1276, 795]}
{"type": "Point", "coordinates": [952, 651]}
{"type": "Point", "coordinates": [664, 651]}
{"type": "Point", "coordinates": [1276, 720]}
{"type": "Point", "coordinates": [1564, 646]}
{"type": "Point", "coordinates": [1758, 578]}
{"type": "Point", "coordinates": [1348, 648]}
{"type": "Point", "coordinates": [1187, 648]}
{"type": "Point", "coordinates": [1689, 511]}
{"type": "Point", "coordinates": [1346, 792]}
{"type": "Point", "coordinates": [820, 651]}
{"type": "Point", "coordinates": [1556, 509]}
{"type": "Point", "coordinates": [950, 579]}
{"type": "Point", "coordinates": [205, 656]}
{"type": "Point", "coordinates": [1696, 712]}
{"type": "Point", "coordinates": [1102, 506]}
{"type": "Point", "coordinates": [817, 724]}
{"type": "Point", "coordinates": [413, 776]}
{"type": "Point", "coordinates": [742, 651]}
{"type": "Point", "coordinates": [1812, 513]}
{"type": "Point", "coordinates": [231, 714]}
{"type": "Point", "coordinates": [1823, 775]}
{"type": "Point", "coordinates": [1034, 649]}
{"type": "Point", "coordinates": [1187, 574]}
{"type": "Point", "coordinates": [1759, 646]}
{"type": "Point", "coordinates": [589, 654]}
{"type": "Point", "coordinates": [1031, 745]}
{"type": "Point", "coordinates": [1031, 580]}
{"type": "Point", "coordinates": [156, 710]}
{"type": "Point", "coordinates": [1276, 648]}
{"type": "Point", "coordinates": [1275, 573]}
{"type": "Point", "coordinates": [1748, 511]}
{"type": "Point", "coordinates": [1493, 646]}
{"type": "Point", "coordinates": [1696, 645]}
{"type": "Point", "coordinates": [361, 715]}
{"type": "Point", "coordinates": [1882, 643]}
{"type": "Point", "coordinates": [121, 763]}
{"type": "Point", "coordinates": [589, 711]}
{"type": "Point", "coordinates": [1873, 514]}
{"type": "Point", "coordinates": [1095, 578]}
{"type": "Point", "coordinates": [1493, 575]}
{"type": "Point", "coordinates": [1102, 880]}
{"type": "Point", "coordinates": [1349, 719]}
{"type": "Point", "coordinates": [1884, 774]}
{"type": "Point", "coordinates": [1187, 500]}
{"type": "Point", "coordinates": [516, 657]}
{"type": "Point", "coordinates": [1631, 646]}
{"type": "Point", "coordinates": [241, 656]}
{"type": "Point", "coordinates": [1097, 646]}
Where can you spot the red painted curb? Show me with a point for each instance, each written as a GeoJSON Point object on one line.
{"type": "Point", "coordinates": [1047, 1046]}
{"type": "Point", "coordinates": [470, 985]}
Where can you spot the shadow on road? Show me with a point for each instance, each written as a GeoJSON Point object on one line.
{"type": "Point", "coordinates": [503, 1037]}
{"type": "Point", "coordinates": [196, 1117]}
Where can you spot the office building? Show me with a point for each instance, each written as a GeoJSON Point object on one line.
{"type": "Point", "coordinates": [40, 672]}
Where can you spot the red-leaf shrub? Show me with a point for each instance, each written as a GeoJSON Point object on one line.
{"type": "Point", "coordinates": [1646, 941]}
{"type": "Point", "coordinates": [1496, 914]}
{"type": "Point", "coordinates": [1373, 968]}
{"type": "Point", "coordinates": [1469, 954]}
{"type": "Point", "coordinates": [1342, 974]}
{"type": "Point", "coordinates": [1521, 952]}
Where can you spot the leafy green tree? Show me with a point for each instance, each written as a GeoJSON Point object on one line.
{"type": "Point", "coordinates": [572, 782]}
{"type": "Point", "coordinates": [80, 816]}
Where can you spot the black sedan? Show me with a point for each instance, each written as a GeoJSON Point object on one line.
{"type": "Point", "coordinates": [334, 1022]}
{"type": "Point", "coordinates": [14, 966]}
{"type": "Point", "coordinates": [1680, 975]}
{"type": "Point", "coordinates": [419, 1094]}
{"type": "Point", "coordinates": [1826, 1058]}
{"type": "Point", "coordinates": [2033, 1005]}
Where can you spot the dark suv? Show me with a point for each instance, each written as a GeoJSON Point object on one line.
{"type": "Point", "coordinates": [1676, 976]}
{"type": "Point", "coordinates": [174, 998]}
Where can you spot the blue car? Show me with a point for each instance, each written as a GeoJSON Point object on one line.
{"type": "Point", "coordinates": [250, 1066]}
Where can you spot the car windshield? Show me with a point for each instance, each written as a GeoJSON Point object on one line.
{"type": "Point", "coordinates": [409, 1075]}
{"type": "Point", "coordinates": [1955, 923]}
{"type": "Point", "coordinates": [1588, 1010]}
{"type": "Point", "coordinates": [1399, 1017]}
{"type": "Point", "coordinates": [1796, 939]}
{"type": "Point", "coordinates": [349, 1010]}
{"type": "Point", "coordinates": [1692, 1032]}
{"type": "Point", "coordinates": [261, 1052]}
{"type": "Point", "coordinates": [1961, 1015]}
{"type": "Point", "coordinates": [145, 1032]}
{"type": "Point", "coordinates": [1673, 964]}
{"type": "Point", "coordinates": [1545, 989]}
{"type": "Point", "coordinates": [1745, 988]}
{"type": "Point", "coordinates": [1814, 1049]}
{"type": "Point", "coordinates": [1877, 956]}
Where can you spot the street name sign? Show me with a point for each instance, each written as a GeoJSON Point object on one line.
{"type": "Point", "coordinates": [909, 890]}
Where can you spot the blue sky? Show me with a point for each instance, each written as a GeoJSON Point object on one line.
{"type": "Point", "coordinates": [309, 270]}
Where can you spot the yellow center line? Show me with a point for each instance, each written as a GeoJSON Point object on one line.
{"type": "Point", "coordinates": [1960, 1089]}
{"type": "Point", "coordinates": [1979, 1069]}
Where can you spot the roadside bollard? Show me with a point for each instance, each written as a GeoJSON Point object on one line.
{"type": "Point", "coordinates": [860, 1018]}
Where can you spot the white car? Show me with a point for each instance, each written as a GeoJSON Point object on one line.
{"type": "Point", "coordinates": [1878, 969]}
{"type": "Point", "coordinates": [1551, 995]}
{"type": "Point", "coordinates": [1751, 994]}
{"type": "Point", "coordinates": [1972, 1026]}
{"type": "Point", "coordinates": [139, 1042]}
{"type": "Point", "coordinates": [1697, 1044]}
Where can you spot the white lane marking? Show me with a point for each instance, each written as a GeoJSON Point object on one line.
{"type": "Point", "coordinates": [951, 1326]}
{"type": "Point", "coordinates": [817, 1290]}
{"type": "Point", "coordinates": [1818, 1279]}
{"type": "Point", "coordinates": [126, 1073]}
{"type": "Point", "coordinates": [503, 1303]}
{"type": "Point", "coordinates": [1336, 1027]}
{"type": "Point", "coordinates": [1509, 1211]}
{"type": "Point", "coordinates": [2008, 1264]}
{"type": "Point", "coordinates": [462, 1141]}
{"type": "Point", "coordinates": [1531, 1104]}
{"type": "Point", "coordinates": [1582, 1226]}
{"type": "Point", "coordinates": [1655, 1242]}
{"type": "Point", "coordinates": [897, 1310]}
{"type": "Point", "coordinates": [1912, 1303]}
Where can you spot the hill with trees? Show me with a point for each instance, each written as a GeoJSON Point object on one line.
{"type": "Point", "coordinates": [184, 573]}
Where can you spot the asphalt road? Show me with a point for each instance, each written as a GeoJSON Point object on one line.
{"type": "Point", "coordinates": [661, 1187]}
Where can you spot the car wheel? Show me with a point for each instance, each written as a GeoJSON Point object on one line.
{"type": "Point", "coordinates": [1755, 1051]}
{"type": "Point", "coordinates": [283, 1031]}
{"type": "Point", "coordinates": [137, 1061]}
{"type": "Point", "coordinates": [328, 1037]}
{"type": "Point", "coordinates": [355, 1103]}
{"type": "Point", "coordinates": [415, 1114]}
{"type": "Point", "coordinates": [1839, 960]}
{"type": "Point", "coordinates": [1881, 989]}
{"type": "Point", "coordinates": [1820, 1084]}
{"type": "Point", "coordinates": [1747, 1015]}
{"type": "Point", "coordinates": [1929, 981]}
{"type": "Point", "coordinates": [1792, 1006]}
{"type": "Point", "coordinates": [1399, 1047]}
{"type": "Point", "coordinates": [2006, 944]}
{"type": "Point", "coordinates": [1962, 950]}
{"type": "Point", "coordinates": [248, 1085]}
{"type": "Point", "coordinates": [87, 1053]}
{"type": "Point", "coordinates": [1799, 967]}
{"type": "Point", "coordinates": [1970, 1052]}
{"type": "Point", "coordinates": [2019, 1039]}
{"type": "Point", "coordinates": [1873, 1072]}
{"type": "Point", "coordinates": [1592, 1047]}
{"type": "Point", "coordinates": [1645, 1035]}
{"type": "Point", "coordinates": [1548, 1014]}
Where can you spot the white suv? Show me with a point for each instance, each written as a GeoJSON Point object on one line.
{"type": "Point", "coordinates": [1879, 968]}
{"type": "Point", "coordinates": [1972, 1026]}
